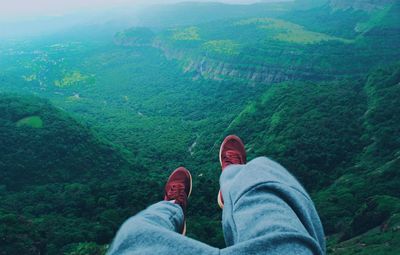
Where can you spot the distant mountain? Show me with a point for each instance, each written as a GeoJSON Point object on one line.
{"type": "Point", "coordinates": [190, 13]}
{"type": "Point", "coordinates": [365, 5]}
{"type": "Point", "coordinates": [312, 86]}
{"type": "Point", "coordinates": [102, 23]}
{"type": "Point", "coordinates": [286, 45]}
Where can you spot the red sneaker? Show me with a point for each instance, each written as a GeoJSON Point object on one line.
{"type": "Point", "coordinates": [179, 188]}
{"type": "Point", "coordinates": [232, 152]}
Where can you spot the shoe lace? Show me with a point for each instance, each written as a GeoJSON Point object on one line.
{"type": "Point", "coordinates": [176, 191]}
{"type": "Point", "coordinates": [233, 157]}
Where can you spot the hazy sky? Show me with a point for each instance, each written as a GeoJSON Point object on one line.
{"type": "Point", "coordinates": [28, 8]}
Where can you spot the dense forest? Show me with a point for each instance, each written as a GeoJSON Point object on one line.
{"type": "Point", "coordinates": [91, 124]}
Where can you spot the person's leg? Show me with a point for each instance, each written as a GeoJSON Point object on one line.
{"type": "Point", "coordinates": [157, 229]}
{"type": "Point", "coordinates": [267, 211]}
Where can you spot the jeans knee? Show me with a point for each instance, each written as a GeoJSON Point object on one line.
{"type": "Point", "coordinates": [262, 160]}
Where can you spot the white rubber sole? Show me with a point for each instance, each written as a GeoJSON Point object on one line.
{"type": "Point", "coordinates": [219, 200]}
{"type": "Point", "coordinates": [220, 153]}
{"type": "Point", "coordinates": [219, 195]}
{"type": "Point", "coordinates": [184, 229]}
{"type": "Point", "coordinates": [190, 192]}
{"type": "Point", "coordinates": [191, 186]}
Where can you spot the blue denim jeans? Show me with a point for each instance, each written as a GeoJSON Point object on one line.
{"type": "Point", "coordinates": [266, 211]}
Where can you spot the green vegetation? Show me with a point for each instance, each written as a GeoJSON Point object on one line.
{"type": "Point", "coordinates": [371, 241]}
{"type": "Point", "coordinates": [224, 47]}
{"type": "Point", "coordinates": [374, 20]}
{"type": "Point", "coordinates": [321, 45]}
{"type": "Point", "coordinates": [52, 189]}
{"type": "Point", "coordinates": [298, 82]}
{"type": "Point", "coordinates": [324, 19]}
{"type": "Point", "coordinates": [301, 125]}
{"type": "Point", "coordinates": [71, 79]}
{"type": "Point", "coordinates": [339, 140]}
{"type": "Point", "coordinates": [289, 32]}
{"type": "Point", "coordinates": [30, 77]}
{"type": "Point", "coordinates": [187, 34]}
{"type": "Point", "coordinates": [135, 36]}
{"type": "Point", "coordinates": [298, 35]}
{"type": "Point", "coordinates": [32, 121]}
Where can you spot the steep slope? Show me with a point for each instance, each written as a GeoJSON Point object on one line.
{"type": "Point", "coordinates": [311, 128]}
{"type": "Point", "coordinates": [157, 119]}
{"type": "Point", "coordinates": [341, 140]}
{"type": "Point", "coordinates": [60, 184]}
{"type": "Point", "coordinates": [43, 145]}
{"type": "Point", "coordinates": [337, 136]}
{"type": "Point", "coordinates": [258, 50]}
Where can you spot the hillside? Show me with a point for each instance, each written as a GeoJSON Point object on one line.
{"type": "Point", "coordinates": [58, 179]}
{"type": "Point", "coordinates": [320, 43]}
{"type": "Point", "coordinates": [42, 145]}
{"type": "Point", "coordinates": [340, 140]}
{"type": "Point", "coordinates": [313, 84]}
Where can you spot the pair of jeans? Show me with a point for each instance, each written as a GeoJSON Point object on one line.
{"type": "Point", "coordinates": [266, 211]}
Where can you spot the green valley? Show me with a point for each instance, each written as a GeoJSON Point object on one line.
{"type": "Point", "coordinates": [92, 122]}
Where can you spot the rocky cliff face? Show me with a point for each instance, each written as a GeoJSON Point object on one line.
{"type": "Point", "coordinates": [285, 68]}
{"type": "Point", "coordinates": [219, 70]}
{"type": "Point", "coordinates": [365, 5]}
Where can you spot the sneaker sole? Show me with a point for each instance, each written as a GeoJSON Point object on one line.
{"type": "Point", "coordinates": [220, 152]}
{"type": "Point", "coordinates": [184, 229]}
{"type": "Point", "coordinates": [190, 192]}
{"type": "Point", "coordinates": [219, 200]}
{"type": "Point", "coordinates": [191, 186]}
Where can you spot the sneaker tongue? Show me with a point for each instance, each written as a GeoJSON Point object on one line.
{"type": "Point", "coordinates": [175, 188]}
{"type": "Point", "coordinates": [176, 191]}
{"type": "Point", "coordinates": [233, 157]}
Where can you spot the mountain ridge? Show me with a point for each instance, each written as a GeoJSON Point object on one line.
{"type": "Point", "coordinates": [292, 53]}
{"type": "Point", "coordinates": [153, 98]}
